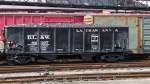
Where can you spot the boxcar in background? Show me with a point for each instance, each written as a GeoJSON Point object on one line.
{"type": "Point", "coordinates": [146, 34]}
{"type": "Point", "coordinates": [134, 23]}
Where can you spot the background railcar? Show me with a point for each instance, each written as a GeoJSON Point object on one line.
{"type": "Point", "coordinates": [51, 41]}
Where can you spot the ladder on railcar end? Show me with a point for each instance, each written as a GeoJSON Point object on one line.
{"type": "Point", "coordinates": [146, 34]}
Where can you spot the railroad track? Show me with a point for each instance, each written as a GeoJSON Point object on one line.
{"type": "Point", "coordinates": [75, 71]}
{"type": "Point", "coordinates": [78, 77]}
{"type": "Point", "coordinates": [72, 66]}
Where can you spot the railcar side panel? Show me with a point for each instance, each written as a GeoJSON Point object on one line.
{"type": "Point", "coordinates": [31, 40]}
{"type": "Point", "coordinates": [77, 40]}
{"type": "Point", "coordinates": [39, 40]}
{"type": "Point", "coordinates": [46, 40]}
{"type": "Point", "coordinates": [68, 40]}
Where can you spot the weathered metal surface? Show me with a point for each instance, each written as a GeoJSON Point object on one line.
{"type": "Point", "coordinates": [67, 38]}
{"type": "Point", "coordinates": [127, 21]}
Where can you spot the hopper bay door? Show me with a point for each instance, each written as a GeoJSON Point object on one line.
{"type": "Point", "coordinates": [38, 40]}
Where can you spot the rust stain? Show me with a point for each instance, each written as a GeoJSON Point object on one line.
{"type": "Point", "coordinates": [138, 27]}
{"type": "Point", "coordinates": [126, 21]}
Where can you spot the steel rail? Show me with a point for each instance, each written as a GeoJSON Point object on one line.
{"type": "Point", "coordinates": [72, 66]}
{"type": "Point", "coordinates": [86, 77]}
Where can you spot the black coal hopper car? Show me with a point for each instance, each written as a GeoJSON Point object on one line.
{"type": "Point", "coordinates": [26, 43]}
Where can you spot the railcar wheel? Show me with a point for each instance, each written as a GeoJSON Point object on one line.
{"type": "Point", "coordinates": [22, 60]}
{"type": "Point", "coordinates": [11, 62]}
{"type": "Point", "coordinates": [98, 58]}
{"type": "Point", "coordinates": [122, 57]}
{"type": "Point", "coordinates": [111, 58]}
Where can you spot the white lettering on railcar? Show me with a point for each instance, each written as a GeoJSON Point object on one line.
{"type": "Point", "coordinates": [87, 30]}
{"type": "Point", "coordinates": [44, 37]}
{"type": "Point", "coordinates": [32, 37]}
{"type": "Point", "coordinates": [79, 30]}
{"type": "Point", "coordinates": [91, 30]}
{"type": "Point", "coordinates": [109, 30]}
{"type": "Point", "coordinates": [106, 30]}
{"type": "Point", "coordinates": [116, 30]}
